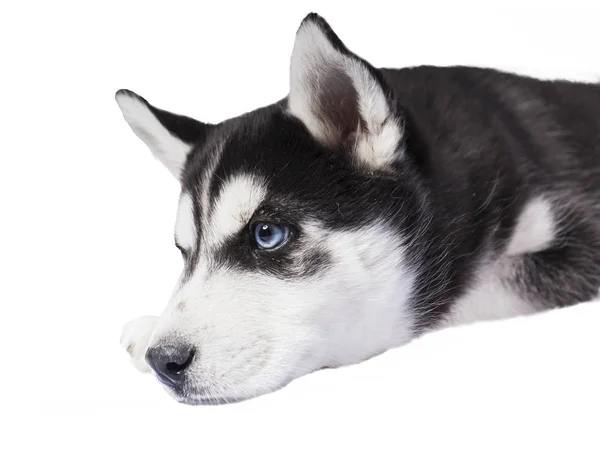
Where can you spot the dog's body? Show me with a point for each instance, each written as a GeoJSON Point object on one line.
{"type": "Point", "coordinates": [369, 206]}
{"type": "Point", "coordinates": [512, 172]}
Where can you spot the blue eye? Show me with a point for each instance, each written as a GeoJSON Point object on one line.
{"type": "Point", "coordinates": [270, 235]}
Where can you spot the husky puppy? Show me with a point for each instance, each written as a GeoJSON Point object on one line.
{"type": "Point", "coordinates": [364, 209]}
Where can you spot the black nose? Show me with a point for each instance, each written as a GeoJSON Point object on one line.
{"type": "Point", "coordinates": [170, 362]}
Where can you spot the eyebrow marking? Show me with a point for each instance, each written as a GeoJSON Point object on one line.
{"type": "Point", "coordinates": [207, 179]}
{"type": "Point", "coordinates": [185, 227]}
{"type": "Point", "coordinates": [240, 197]}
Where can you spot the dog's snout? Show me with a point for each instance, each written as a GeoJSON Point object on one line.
{"type": "Point", "coordinates": [170, 362]}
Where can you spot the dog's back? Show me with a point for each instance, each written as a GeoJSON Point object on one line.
{"type": "Point", "coordinates": [512, 170]}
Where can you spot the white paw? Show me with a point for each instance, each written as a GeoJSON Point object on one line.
{"type": "Point", "coordinates": [134, 339]}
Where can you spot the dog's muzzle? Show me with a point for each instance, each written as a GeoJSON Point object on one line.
{"type": "Point", "coordinates": [170, 363]}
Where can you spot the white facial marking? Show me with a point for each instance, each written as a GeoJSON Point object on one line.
{"type": "Point", "coordinates": [367, 289]}
{"type": "Point", "coordinates": [185, 227]}
{"type": "Point", "coordinates": [170, 150]}
{"type": "Point", "coordinates": [239, 198]}
{"type": "Point", "coordinates": [207, 177]}
{"type": "Point", "coordinates": [257, 331]}
{"type": "Point", "coordinates": [313, 54]}
{"type": "Point", "coordinates": [534, 230]}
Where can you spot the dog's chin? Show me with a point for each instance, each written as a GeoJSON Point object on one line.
{"type": "Point", "coordinates": [219, 393]}
{"type": "Point", "coordinates": [197, 397]}
{"type": "Point", "coordinates": [202, 400]}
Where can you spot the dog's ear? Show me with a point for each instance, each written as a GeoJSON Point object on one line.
{"type": "Point", "coordinates": [170, 137]}
{"type": "Point", "coordinates": [341, 99]}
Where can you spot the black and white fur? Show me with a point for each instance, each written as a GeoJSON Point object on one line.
{"type": "Point", "coordinates": [417, 198]}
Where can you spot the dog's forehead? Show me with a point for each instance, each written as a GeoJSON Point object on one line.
{"type": "Point", "coordinates": [268, 157]}
{"type": "Point", "coordinates": [239, 197]}
{"type": "Point", "coordinates": [266, 141]}
{"type": "Point", "coordinates": [266, 144]}
{"type": "Point", "coordinates": [226, 182]}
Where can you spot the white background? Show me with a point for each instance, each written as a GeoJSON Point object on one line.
{"type": "Point", "coordinates": [86, 240]}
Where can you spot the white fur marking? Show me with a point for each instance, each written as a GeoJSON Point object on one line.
{"type": "Point", "coordinates": [376, 318]}
{"type": "Point", "coordinates": [490, 296]}
{"type": "Point", "coordinates": [185, 227]}
{"type": "Point", "coordinates": [258, 331]}
{"type": "Point", "coordinates": [534, 230]}
{"type": "Point", "coordinates": [378, 151]}
{"type": "Point", "coordinates": [239, 198]}
{"type": "Point", "coordinates": [170, 150]}
{"type": "Point", "coordinates": [207, 176]}
{"type": "Point", "coordinates": [135, 337]}
{"type": "Point", "coordinates": [488, 299]}
{"type": "Point", "coordinates": [376, 145]}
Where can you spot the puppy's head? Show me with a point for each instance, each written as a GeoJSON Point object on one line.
{"type": "Point", "coordinates": [292, 223]}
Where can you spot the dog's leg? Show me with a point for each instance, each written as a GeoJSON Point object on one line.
{"type": "Point", "coordinates": [134, 339]}
{"type": "Point", "coordinates": [566, 274]}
